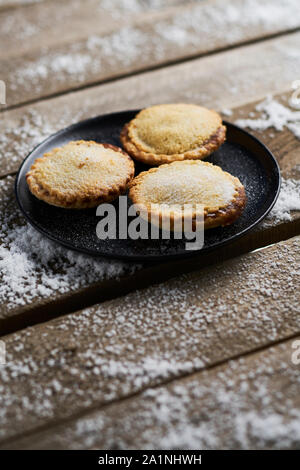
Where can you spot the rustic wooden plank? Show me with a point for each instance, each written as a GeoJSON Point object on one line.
{"type": "Point", "coordinates": [156, 39]}
{"type": "Point", "coordinates": [35, 30]}
{"type": "Point", "coordinates": [246, 74]}
{"type": "Point", "coordinates": [250, 403]}
{"type": "Point", "coordinates": [7, 4]}
{"type": "Point", "coordinates": [47, 282]}
{"type": "Point", "coordinates": [25, 127]}
{"type": "Point", "coordinates": [119, 5]}
{"type": "Point", "coordinates": [91, 358]}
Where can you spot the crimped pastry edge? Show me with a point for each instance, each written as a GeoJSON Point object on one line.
{"type": "Point", "coordinates": [224, 215]}
{"type": "Point", "coordinates": [56, 198]}
{"type": "Point", "coordinates": [211, 145]}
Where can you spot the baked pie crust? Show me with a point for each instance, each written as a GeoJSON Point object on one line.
{"type": "Point", "coordinates": [81, 174]}
{"type": "Point", "coordinates": [164, 190]}
{"type": "Point", "coordinates": [169, 132]}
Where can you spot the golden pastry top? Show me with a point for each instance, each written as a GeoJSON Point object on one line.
{"type": "Point", "coordinates": [185, 182]}
{"type": "Point", "coordinates": [80, 174]}
{"type": "Point", "coordinates": [173, 128]}
{"type": "Point", "coordinates": [79, 168]}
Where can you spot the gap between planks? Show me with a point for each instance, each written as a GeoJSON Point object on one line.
{"type": "Point", "coordinates": [153, 275]}
{"type": "Point", "coordinates": [156, 327]}
{"type": "Point", "coordinates": [5, 443]}
{"type": "Point", "coordinates": [20, 4]}
{"type": "Point", "coordinates": [260, 372]}
{"type": "Point", "coordinates": [43, 310]}
{"type": "Point", "coordinates": [116, 77]}
{"type": "Point", "coordinates": [24, 128]}
{"type": "Point", "coordinates": [12, 5]}
{"type": "Point", "coordinates": [51, 82]}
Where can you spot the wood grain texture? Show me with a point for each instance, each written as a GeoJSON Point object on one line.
{"type": "Point", "coordinates": [122, 5]}
{"type": "Point", "coordinates": [156, 38]}
{"type": "Point", "coordinates": [75, 20]}
{"type": "Point", "coordinates": [36, 30]}
{"type": "Point", "coordinates": [164, 362]}
{"type": "Point", "coordinates": [54, 284]}
{"type": "Point", "coordinates": [250, 403]}
{"type": "Point", "coordinates": [99, 355]}
{"type": "Point", "coordinates": [239, 76]}
{"type": "Point", "coordinates": [7, 4]}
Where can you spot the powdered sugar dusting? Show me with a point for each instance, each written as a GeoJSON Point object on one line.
{"type": "Point", "coordinates": [275, 115]}
{"type": "Point", "coordinates": [18, 138]}
{"type": "Point", "coordinates": [123, 346]}
{"type": "Point", "coordinates": [102, 56]}
{"type": "Point", "coordinates": [83, 60]}
{"type": "Point", "coordinates": [247, 404]}
{"type": "Point", "coordinates": [117, 8]}
{"type": "Point", "coordinates": [18, 2]}
{"type": "Point", "coordinates": [32, 267]}
{"type": "Point", "coordinates": [237, 17]}
{"type": "Point", "coordinates": [288, 201]}
{"type": "Point", "coordinates": [239, 407]}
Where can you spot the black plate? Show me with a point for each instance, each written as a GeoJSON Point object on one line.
{"type": "Point", "coordinates": [242, 155]}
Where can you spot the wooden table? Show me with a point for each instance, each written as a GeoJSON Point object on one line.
{"type": "Point", "coordinates": [104, 354]}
